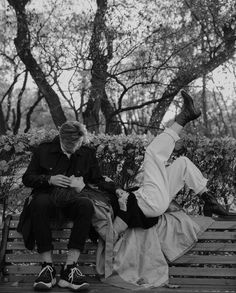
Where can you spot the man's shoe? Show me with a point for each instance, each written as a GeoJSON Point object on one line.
{"type": "Point", "coordinates": [211, 206]}
{"type": "Point", "coordinates": [72, 278]}
{"type": "Point", "coordinates": [188, 112]}
{"type": "Point", "coordinates": [46, 278]}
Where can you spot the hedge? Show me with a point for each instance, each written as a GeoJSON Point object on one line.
{"type": "Point", "coordinates": [120, 158]}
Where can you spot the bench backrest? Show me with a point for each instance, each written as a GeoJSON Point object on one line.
{"type": "Point", "coordinates": [212, 261]}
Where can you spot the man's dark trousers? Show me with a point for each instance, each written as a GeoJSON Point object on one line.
{"type": "Point", "coordinates": [42, 210]}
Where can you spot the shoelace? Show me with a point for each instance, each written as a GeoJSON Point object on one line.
{"type": "Point", "coordinates": [74, 271]}
{"type": "Point", "coordinates": [48, 267]}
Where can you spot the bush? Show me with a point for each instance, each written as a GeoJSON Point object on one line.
{"type": "Point", "coordinates": [216, 158]}
{"type": "Point", "coordinates": [120, 158]}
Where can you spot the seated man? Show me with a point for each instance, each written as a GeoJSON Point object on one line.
{"type": "Point", "coordinates": [56, 169]}
{"type": "Point", "coordinates": [161, 183]}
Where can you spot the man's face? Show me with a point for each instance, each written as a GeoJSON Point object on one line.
{"type": "Point", "coordinates": [70, 147]}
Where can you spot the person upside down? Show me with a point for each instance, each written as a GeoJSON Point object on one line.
{"type": "Point", "coordinates": [161, 183]}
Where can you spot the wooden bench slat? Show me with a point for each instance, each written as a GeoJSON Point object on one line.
{"type": "Point", "coordinates": [218, 225]}
{"type": "Point", "coordinates": [210, 235]}
{"type": "Point", "coordinates": [64, 234]}
{"type": "Point", "coordinates": [203, 281]}
{"type": "Point", "coordinates": [222, 225]}
{"type": "Point", "coordinates": [202, 272]}
{"type": "Point", "coordinates": [206, 259]}
{"type": "Point", "coordinates": [35, 269]}
{"type": "Point", "coordinates": [17, 245]}
{"type": "Point", "coordinates": [31, 278]}
{"type": "Point", "coordinates": [68, 225]}
{"type": "Point", "coordinates": [214, 246]}
{"type": "Point", "coordinates": [204, 246]}
{"type": "Point", "coordinates": [174, 271]}
{"type": "Point", "coordinates": [57, 258]}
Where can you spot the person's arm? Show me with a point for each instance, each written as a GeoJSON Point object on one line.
{"type": "Point", "coordinates": [33, 176]}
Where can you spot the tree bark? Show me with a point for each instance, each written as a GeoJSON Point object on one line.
{"type": "Point", "coordinates": [17, 123]}
{"type": "Point", "coordinates": [22, 44]}
{"type": "Point", "coordinates": [3, 128]}
{"type": "Point", "coordinates": [31, 110]}
{"type": "Point", "coordinates": [100, 56]}
{"type": "Point", "coordinates": [204, 107]}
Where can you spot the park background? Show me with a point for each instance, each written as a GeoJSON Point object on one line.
{"type": "Point", "coordinates": [118, 67]}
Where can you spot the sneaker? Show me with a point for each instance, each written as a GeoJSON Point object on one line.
{"type": "Point", "coordinates": [46, 278]}
{"type": "Point", "coordinates": [72, 278]}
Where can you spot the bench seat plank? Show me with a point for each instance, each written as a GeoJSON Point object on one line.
{"type": "Point", "coordinates": [203, 281]}
{"type": "Point", "coordinates": [215, 246]}
{"type": "Point", "coordinates": [99, 287]}
{"type": "Point", "coordinates": [57, 258]}
{"type": "Point", "coordinates": [216, 235]}
{"type": "Point", "coordinates": [203, 246]}
{"type": "Point", "coordinates": [19, 245]}
{"type": "Point", "coordinates": [203, 271]}
{"type": "Point", "coordinates": [206, 259]}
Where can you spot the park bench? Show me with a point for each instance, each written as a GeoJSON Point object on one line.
{"type": "Point", "coordinates": [210, 266]}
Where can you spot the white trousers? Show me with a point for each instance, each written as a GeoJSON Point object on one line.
{"type": "Point", "coordinates": [161, 183]}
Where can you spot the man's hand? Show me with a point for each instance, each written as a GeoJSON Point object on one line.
{"type": "Point", "coordinates": [122, 198]}
{"type": "Point", "coordinates": [60, 180]}
{"type": "Point", "coordinates": [77, 183]}
{"type": "Point", "coordinates": [121, 193]}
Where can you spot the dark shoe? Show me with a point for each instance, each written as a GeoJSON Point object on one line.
{"type": "Point", "coordinates": [72, 278]}
{"type": "Point", "coordinates": [46, 278]}
{"type": "Point", "coordinates": [188, 112]}
{"type": "Point", "coordinates": [211, 206]}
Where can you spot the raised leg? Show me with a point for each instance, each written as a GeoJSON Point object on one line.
{"type": "Point", "coordinates": [153, 196]}
{"type": "Point", "coordinates": [183, 172]}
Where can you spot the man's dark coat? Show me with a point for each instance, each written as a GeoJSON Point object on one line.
{"type": "Point", "coordinates": [47, 160]}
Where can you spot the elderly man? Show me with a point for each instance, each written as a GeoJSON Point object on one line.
{"type": "Point", "coordinates": [58, 171]}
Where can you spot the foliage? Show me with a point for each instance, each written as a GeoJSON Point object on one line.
{"type": "Point", "coordinates": [121, 157]}
{"type": "Point", "coordinates": [216, 158]}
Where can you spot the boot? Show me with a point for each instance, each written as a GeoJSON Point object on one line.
{"type": "Point", "coordinates": [188, 112]}
{"type": "Point", "coordinates": [211, 206]}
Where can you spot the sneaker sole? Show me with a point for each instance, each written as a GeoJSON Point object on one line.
{"type": "Point", "coordinates": [75, 288]}
{"type": "Point", "coordinates": [40, 286]}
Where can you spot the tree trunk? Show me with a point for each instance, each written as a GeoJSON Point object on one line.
{"type": "Point", "coordinates": [3, 128]}
{"type": "Point", "coordinates": [100, 56]}
{"type": "Point", "coordinates": [204, 107]}
{"type": "Point", "coordinates": [31, 110]}
{"type": "Point", "coordinates": [22, 43]}
{"type": "Point", "coordinates": [17, 123]}
{"type": "Point", "coordinates": [113, 125]}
